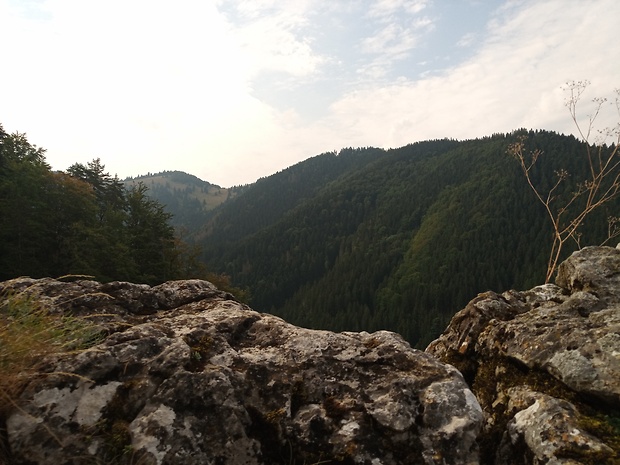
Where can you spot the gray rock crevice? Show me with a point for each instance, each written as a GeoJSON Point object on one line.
{"type": "Point", "coordinates": [556, 345]}
{"type": "Point", "coordinates": [184, 375]}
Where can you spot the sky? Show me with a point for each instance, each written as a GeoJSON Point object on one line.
{"type": "Point", "coordinates": [235, 90]}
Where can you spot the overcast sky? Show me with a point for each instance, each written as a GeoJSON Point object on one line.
{"type": "Point", "coordinates": [234, 90]}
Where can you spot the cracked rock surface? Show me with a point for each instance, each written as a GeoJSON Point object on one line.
{"type": "Point", "coordinates": [545, 365]}
{"type": "Point", "coordinates": [186, 375]}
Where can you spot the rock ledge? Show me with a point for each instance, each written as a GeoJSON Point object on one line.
{"type": "Point", "coordinates": [186, 375]}
{"type": "Point", "coordinates": [545, 365]}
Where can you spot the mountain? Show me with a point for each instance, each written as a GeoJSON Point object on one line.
{"type": "Point", "coordinates": [399, 239]}
{"type": "Point", "coordinates": [262, 204]}
{"type": "Point", "coordinates": [186, 197]}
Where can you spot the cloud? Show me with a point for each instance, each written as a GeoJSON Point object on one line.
{"type": "Point", "coordinates": [397, 30]}
{"type": "Point", "coordinates": [393, 41]}
{"type": "Point", "coordinates": [386, 8]}
{"type": "Point", "coordinates": [142, 84]}
{"type": "Point", "coordinates": [512, 81]}
{"type": "Point", "coordinates": [396, 37]}
{"type": "Point", "coordinates": [237, 89]}
{"type": "Point", "coordinates": [273, 36]}
{"type": "Point", "coordinates": [467, 40]}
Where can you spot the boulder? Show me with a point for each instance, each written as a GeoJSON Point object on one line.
{"type": "Point", "coordinates": [183, 374]}
{"type": "Point", "coordinates": [545, 364]}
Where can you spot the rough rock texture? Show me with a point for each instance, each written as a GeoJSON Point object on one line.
{"type": "Point", "coordinates": [545, 365]}
{"type": "Point", "coordinates": [186, 375]}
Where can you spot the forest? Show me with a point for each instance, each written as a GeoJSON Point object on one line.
{"type": "Point", "coordinates": [81, 222]}
{"type": "Point", "coordinates": [401, 239]}
{"type": "Point", "coordinates": [362, 239]}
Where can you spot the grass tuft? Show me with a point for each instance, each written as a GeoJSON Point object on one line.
{"type": "Point", "coordinates": [29, 332]}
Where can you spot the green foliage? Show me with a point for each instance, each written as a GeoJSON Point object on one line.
{"type": "Point", "coordinates": [24, 182]}
{"type": "Point", "coordinates": [187, 198]}
{"type": "Point", "coordinates": [83, 221]}
{"type": "Point", "coordinates": [398, 240]}
{"type": "Point", "coordinates": [150, 237]}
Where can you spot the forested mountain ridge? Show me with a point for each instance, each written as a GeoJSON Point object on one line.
{"type": "Point", "coordinates": [263, 203]}
{"type": "Point", "coordinates": [401, 240]}
{"type": "Point", "coordinates": [363, 239]}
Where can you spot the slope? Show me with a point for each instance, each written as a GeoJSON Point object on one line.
{"type": "Point", "coordinates": [266, 201]}
{"type": "Point", "coordinates": [187, 197]}
{"type": "Point", "coordinates": [400, 243]}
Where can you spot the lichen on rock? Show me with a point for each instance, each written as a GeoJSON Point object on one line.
{"type": "Point", "coordinates": [186, 375]}
{"type": "Point", "coordinates": [560, 344]}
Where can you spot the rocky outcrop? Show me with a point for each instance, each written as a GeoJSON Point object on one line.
{"type": "Point", "coordinates": [184, 374]}
{"type": "Point", "coordinates": [545, 365]}
{"type": "Point", "coordinates": [181, 373]}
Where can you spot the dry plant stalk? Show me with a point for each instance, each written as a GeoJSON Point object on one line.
{"type": "Point", "coordinates": [601, 185]}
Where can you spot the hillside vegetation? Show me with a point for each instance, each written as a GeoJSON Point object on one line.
{"type": "Point", "coordinates": [369, 239]}
{"type": "Point", "coordinates": [362, 239]}
{"type": "Point", "coordinates": [186, 197]}
{"type": "Point", "coordinates": [81, 222]}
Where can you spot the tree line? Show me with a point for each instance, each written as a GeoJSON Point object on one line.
{"type": "Point", "coordinates": [363, 239]}
{"type": "Point", "coordinates": [399, 240]}
{"type": "Point", "coordinates": [82, 221]}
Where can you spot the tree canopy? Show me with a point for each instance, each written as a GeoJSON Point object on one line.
{"type": "Point", "coordinates": [82, 221]}
{"type": "Point", "coordinates": [400, 239]}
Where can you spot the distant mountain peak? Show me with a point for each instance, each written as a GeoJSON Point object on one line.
{"type": "Point", "coordinates": [177, 176]}
{"type": "Point", "coordinates": [187, 197]}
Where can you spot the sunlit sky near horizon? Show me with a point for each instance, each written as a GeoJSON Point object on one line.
{"type": "Point", "coordinates": [234, 90]}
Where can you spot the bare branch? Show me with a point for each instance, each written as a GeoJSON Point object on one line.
{"type": "Point", "coordinates": [602, 185]}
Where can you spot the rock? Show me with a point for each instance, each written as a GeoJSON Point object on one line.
{"type": "Point", "coordinates": [184, 374]}
{"type": "Point", "coordinates": [561, 344]}
{"type": "Point", "coordinates": [548, 428]}
{"type": "Point", "coordinates": [593, 270]}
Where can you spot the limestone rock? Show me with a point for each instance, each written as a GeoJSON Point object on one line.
{"type": "Point", "coordinates": [548, 428]}
{"type": "Point", "coordinates": [186, 375]}
{"type": "Point", "coordinates": [559, 342]}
